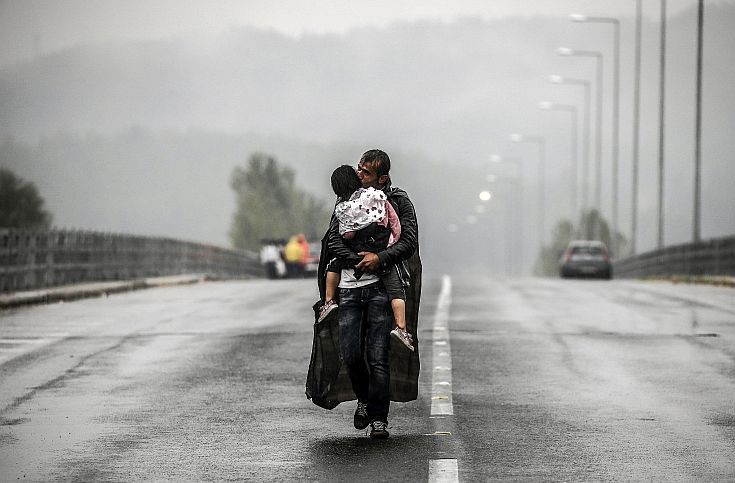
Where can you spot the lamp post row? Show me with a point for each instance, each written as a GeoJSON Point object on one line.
{"type": "Point", "coordinates": [540, 141]}
{"type": "Point", "coordinates": [696, 223]}
{"type": "Point", "coordinates": [552, 106]}
{"type": "Point", "coordinates": [564, 51]}
{"type": "Point", "coordinates": [616, 115]}
{"type": "Point", "coordinates": [518, 202]}
{"type": "Point", "coordinates": [557, 79]}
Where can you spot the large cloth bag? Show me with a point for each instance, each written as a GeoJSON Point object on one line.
{"type": "Point", "coordinates": [327, 382]}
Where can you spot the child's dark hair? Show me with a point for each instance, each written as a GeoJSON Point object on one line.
{"type": "Point", "coordinates": [345, 182]}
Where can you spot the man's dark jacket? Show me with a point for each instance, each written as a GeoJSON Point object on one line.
{"type": "Point", "coordinates": [328, 383]}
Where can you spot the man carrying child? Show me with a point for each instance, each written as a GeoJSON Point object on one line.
{"type": "Point", "coordinates": [378, 286]}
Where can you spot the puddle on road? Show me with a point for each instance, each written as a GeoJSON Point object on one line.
{"type": "Point", "coordinates": [12, 421]}
{"type": "Point", "coordinates": [723, 420]}
{"type": "Point", "coordinates": [695, 316]}
{"type": "Point", "coordinates": [695, 319]}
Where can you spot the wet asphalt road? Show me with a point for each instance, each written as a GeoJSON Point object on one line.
{"type": "Point", "coordinates": [552, 380]}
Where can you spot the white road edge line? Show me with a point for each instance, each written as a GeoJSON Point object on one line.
{"type": "Point", "coordinates": [444, 470]}
{"type": "Point", "coordinates": [23, 341]}
{"type": "Point", "coordinates": [441, 388]}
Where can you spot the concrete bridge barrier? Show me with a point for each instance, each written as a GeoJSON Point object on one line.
{"type": "Point", "coordinates": [39, 259]}
{"type": "Point", "coordinates": [714, 257]}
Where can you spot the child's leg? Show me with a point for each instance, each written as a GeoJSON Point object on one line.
{"type": "Point", "coordinates": [331, 288]}
{"type": "Point", "coordinates": [397, 296]}
{"type": "Point", "coordinates": [399, 312]}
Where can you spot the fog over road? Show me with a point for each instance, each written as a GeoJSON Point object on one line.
{"type": "Point", "coordinates": [550, 379]}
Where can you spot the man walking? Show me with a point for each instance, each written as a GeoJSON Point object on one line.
{"type": "Point", "coordinates": [365, 316]}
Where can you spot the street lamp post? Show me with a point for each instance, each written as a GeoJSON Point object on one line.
{"type": "Point", "coordinates": [509, 243]}
{"type": "Point", "coordinates": [696, 228]}
{"type": "Point", "coordinates": [557, 79]}
{"type": "Point", "coordinates": [485, 196]}
{"type": "Point", "coordinates": [598, 124]}
{"type": "Point", "coordinates": [661, 125]}
{"type": "Point", "coordinates": [540, 142]}
{"type": "Point", "coordinates": [552, 106]}
{"type": "Point", "coordinates": [636, 129]}
{"type": "Point", "coordinates": [616, 114]}
{"type": "Point", "coordinates": [518, 162]}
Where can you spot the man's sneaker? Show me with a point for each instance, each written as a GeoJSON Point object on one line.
{"type": "Point", "coordinates": [325, 309]}
{"type": "Point", "coordinates": [403, 337]}
{"type": "Point", "coordinates": [379, 430]}
{"type": "Point", "coordinates": [361, 418]}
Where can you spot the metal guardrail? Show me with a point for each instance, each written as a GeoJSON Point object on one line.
{"type": "Point", "coordinates": [40, 259]}
{"type": "Point", "coordinates": [714, 257]}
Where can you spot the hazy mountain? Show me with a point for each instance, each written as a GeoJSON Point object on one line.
{"type": "Point", "coordinates": [176, 184]}
{"type": "Point", "coordinates": [141, 137]}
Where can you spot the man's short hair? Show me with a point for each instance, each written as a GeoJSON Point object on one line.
{"type": "Point", "coordinates": [379, 159]}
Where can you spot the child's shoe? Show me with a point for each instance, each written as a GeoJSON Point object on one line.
{"type": "Point", "coordinates": [325, 309]}
{"type": "Point", "coordinates": [404, 337]}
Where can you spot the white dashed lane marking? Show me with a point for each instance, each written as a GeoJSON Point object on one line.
{"type": "Point", "coordinates": [444, 470]}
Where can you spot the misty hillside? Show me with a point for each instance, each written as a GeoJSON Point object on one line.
{"type": "Point", "coordinates": [142, 137]}
{"type": "Point", "coordinates": [176, 184]}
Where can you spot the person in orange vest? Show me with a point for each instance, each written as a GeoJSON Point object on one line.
{"type": "Point", "coordinates": [294, 255]}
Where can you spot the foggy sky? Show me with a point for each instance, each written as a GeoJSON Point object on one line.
{"type": "Point", "coordinates": [32, 27]}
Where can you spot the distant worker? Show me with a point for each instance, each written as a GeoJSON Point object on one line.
{"type": "Point", "coordinates": [270, 258]}
{"type": "Point", "coordinates": [294, 254]}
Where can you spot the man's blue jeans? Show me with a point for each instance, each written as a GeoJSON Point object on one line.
{"type": "Point", "coordinates": [364, 336]}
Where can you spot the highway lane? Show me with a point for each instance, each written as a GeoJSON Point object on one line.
{"type": "Point", "coordinates": [187, 383]}
{"type": "Point", "coordinates": [587, 380]}
{"type": "Point", "coordinates": [551, 379]}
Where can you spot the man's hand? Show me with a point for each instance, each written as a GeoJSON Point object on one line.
{"type": "Point", "coordinates": [370, 262]}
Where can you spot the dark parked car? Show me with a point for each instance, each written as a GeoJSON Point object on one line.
{"type": "Point", "coordinates": [585, 258]}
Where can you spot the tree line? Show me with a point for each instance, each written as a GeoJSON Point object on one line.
{"type": "Point", "coordinates": [269, 205]}
{"type": "Point", "coordinates": [21, 205]}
